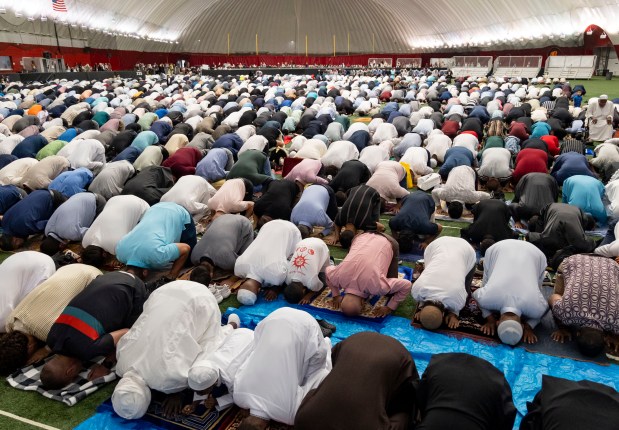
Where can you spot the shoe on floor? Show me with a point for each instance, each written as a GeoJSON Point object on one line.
{"type": "Point", "coordinates": [325, 332]}
{"type": "Point", "coordinates": [223, 290]}
{"type": "Point", "coordinates": [217, 294]}
{"type": "Point", "coordinates": [325, 324]}
{"type": "Point", "coordinates": [234, 318]}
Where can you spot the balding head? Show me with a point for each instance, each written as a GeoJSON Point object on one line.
{"type": "Point", "coordinates": [352, 305]}
{"type": "Point", "coordinates": [431, 317]}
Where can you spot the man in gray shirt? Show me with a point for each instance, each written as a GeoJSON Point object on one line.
{"type": "Point", "coordinates": [561, 225]}
{"type": "Point", "coordinates": [111, 180]}
{"type": "Point", "coordinates": [71, 221]}
{"type": "Point", "coordinates": [227, 237]}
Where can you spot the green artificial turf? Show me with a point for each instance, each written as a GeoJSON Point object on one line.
{"type": "Point", "coordinates": [35, 407]}
{"type": "Point", "coordinates": [598, 85]}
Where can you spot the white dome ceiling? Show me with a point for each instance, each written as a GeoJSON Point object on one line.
{"type": "Point", "coordinates": [359, 26]}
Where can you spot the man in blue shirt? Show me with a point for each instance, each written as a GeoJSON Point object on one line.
{"type": "Point", "coordinates": [216, 165]}
{"type": "Point", "coordinates": [586, 193]}
{"type": "Point", "coordinates": [72, 182]}
{"type": "Point", "coordinates": [414, 221]}
{"type": "Point", "coordinates": [165, 236]}
{"type": "Point", "coordinates": [454, 157]}
{"type": "Point", "coordinates": [316, 208]}
{"type": "Point", "coordinates": [71, 221]}
{"type": "Point", "coordinates": [9, 196]}
{"type": "Point", "coordinates": [27, 217]}
{"type": "Point", "coordinates": [570, 164]}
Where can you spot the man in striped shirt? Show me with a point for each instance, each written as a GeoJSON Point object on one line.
{"type": "Point", "coordinates": [361, 211]}
{"type": "Point", "coordinates": [31, 321]}
{"type": "Point", "coordinates": [572, 143]}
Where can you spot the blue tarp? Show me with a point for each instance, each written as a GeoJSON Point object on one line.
{"type": "Point", "coordinates": [522, 369]}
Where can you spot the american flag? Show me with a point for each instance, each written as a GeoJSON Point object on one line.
{"type": "Point", "coordinates": [59, 6]}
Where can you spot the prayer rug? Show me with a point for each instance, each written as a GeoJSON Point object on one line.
{"type": "Point", "coordinates": [201, 419]}
{"type": "Point", "coordinates": [523, 370]}
{"type": "Point", "coordinates": [29, 379]}
{"type": "Point", "coordinates": [289, 163]}
{"type": "Point", "coordinates": [444, 217]}
{"type": "Point", "coordinates": [322, 300]}
{"type": "Point", "coordinates": [471, 322]}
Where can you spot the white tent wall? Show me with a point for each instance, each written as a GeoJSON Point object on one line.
{"type": "Point", "coordinates": [397, 26]}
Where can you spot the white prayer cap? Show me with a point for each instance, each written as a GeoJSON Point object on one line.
{"type": "Point", "coordinates": [202, 376]}
{"type": "Point", "coordinates": [246, 297]}
{"type": "Point", "coordinates": [131, 397]}
{"type": "Point", "coordinates": [510, 332]}
{"type": "Point", "coordinates": [603, 97]}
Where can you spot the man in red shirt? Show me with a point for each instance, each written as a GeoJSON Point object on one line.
{"type": "Point", "coordinates": [528, 161]}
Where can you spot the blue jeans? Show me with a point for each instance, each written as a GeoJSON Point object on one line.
{"type": "Point", "coordinates": [189, 235]}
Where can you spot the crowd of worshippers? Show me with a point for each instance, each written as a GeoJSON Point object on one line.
{"type": "Point", "coordinates": [135, 169]}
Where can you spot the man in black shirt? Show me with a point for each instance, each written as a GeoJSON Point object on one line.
{"type": "Point", "coordinates": [361, 211]}
{"type": "Point", "coordinates": [414, 221]}
{"type": "Point", "coordinates": [276, 202]}
{"type": "Point", "coordinates": [352, 173]}
{"type": "Point", "coordinates": [490, 224]}
{"type": "Point", "coordinates": [150, 184]}
{"type": "Point", "coordinates": [479, 398]}
{"type": "Point", "coordinates": [91, 326]}
{"type": "Point", "coordinates": [561, 404]}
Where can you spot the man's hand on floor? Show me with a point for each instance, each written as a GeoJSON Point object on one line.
{"type": "Point", "coordinates": [189, 409]}
{"type": "Point", "coordinates": [561, 335]}
{"type": "Point", "coordinates": [307, 298]}
{"type": "Point", "coordinates": [452, 321]}
{"type": "Point", "coordinates": [39, 355]}
{"type": "Point", "coordinates": [528, 336]}
{"type": "Point", "coordinates": [612, 342]}
{"type": "Point", "coordinates": [330, 239]}
{"type": "Point", "coordinates": [97, 371]}
{"type": "Point", "coordinates": [381, 312]}
{"type": "Point", "coordinates": [210, 402]}
{"type": "Point", "coordinates": [270, 295]}
{"type": "Point", "coordinates": [336, 302]}
{"type": "Point", "coordinates": [489, 329]}
{"type": "Point", "coordinates": [172, 405]}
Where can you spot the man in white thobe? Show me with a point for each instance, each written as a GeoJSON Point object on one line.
{"type": "Point", "coordinates": [88, 153]}
{"type": "Point", "coordinates": [120, 215]}
{"type": "Point", "coordinates": [600, 116]}
{"type": "Point", "coordinates": [193, 193]}
{"type": "Point", "coordinates": [265, 262]}
{"type": "Point", "coordinates": [220, 368]}
{"type": "Point", "coordinates": [339, 152]}
{"type": "Point", "coordinates": [442, 288]}
{"type": "Point", "coordinates": [290, 358]}
{"type": "Point", "coordinates": [513, 274]}
{"type": "Point", "coordinates": [180, 321]}
{"type": "Point", "coordinates": [21, 273]}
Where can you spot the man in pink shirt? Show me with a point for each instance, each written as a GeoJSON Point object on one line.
{"type": "Point", "coordinates": [386, 180]}
{"type": "Point", "coordinates": [369, 269]}
{"type": "Point", "coordinates": [307, 172]}
{"type": "Point", "coordinates": [234, 196]}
